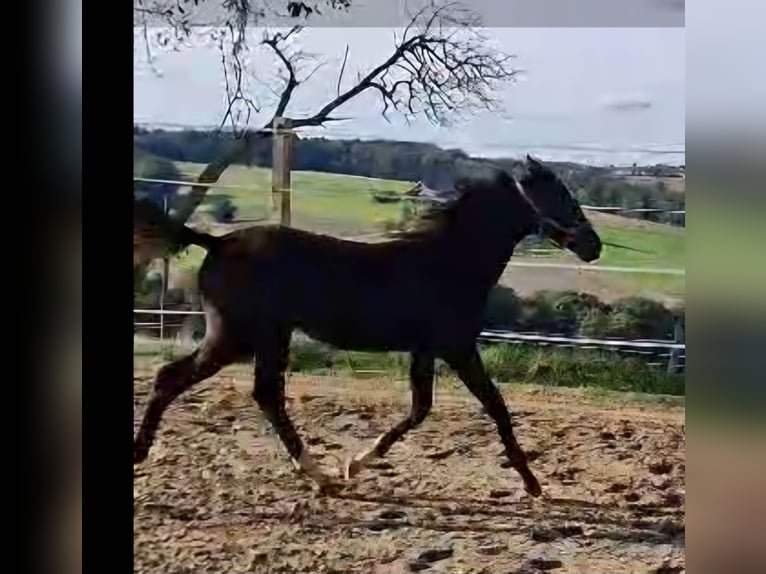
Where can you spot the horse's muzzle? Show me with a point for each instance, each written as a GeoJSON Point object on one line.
{"type": "Point", "coordinates": [585, 243]}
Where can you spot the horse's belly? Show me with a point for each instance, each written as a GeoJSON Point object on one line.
{"type": "Point", "coordinates": [365, 333]}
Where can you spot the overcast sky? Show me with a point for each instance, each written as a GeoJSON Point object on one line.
{"type": "Point", "coordinates": [583, 90]}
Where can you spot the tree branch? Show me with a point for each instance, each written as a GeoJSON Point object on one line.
{"type": "Point", "coordinates": [342, 69]}
{"type": "Point", "coordinates": [212, 173]}
{"type": "Point", "coordinates": [237, 94]}
{"type": "Point", "coordinates": [292, 82]}
{"type": "Point", "coordinates": [440, 68]}
{"type": "Point", "coordinates": [237, 14]}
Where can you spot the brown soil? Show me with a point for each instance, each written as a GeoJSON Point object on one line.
{"type": "Point", "coordinates": [527, 281]}
{"type": "Point", "coordinates": [218, 493]}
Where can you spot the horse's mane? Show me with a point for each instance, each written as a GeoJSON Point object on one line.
{"type": "Point", "coordinates": [439, 217]}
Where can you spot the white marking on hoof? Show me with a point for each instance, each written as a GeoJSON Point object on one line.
{"type": "Point", "coordinates": [355, 464]}
{"type": "Point", "coordinates": [307, 465]}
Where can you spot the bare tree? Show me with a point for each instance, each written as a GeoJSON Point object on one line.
{"type": "Point", "coordinates": [171, 23]}
{"type": "Point", "coordinates": [441, 67]}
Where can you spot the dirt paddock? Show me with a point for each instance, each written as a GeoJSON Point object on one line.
{"type": "Point", "coordinates": [217, 493]}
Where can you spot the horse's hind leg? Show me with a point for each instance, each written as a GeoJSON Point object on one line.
{"type": "Point", "coordinates": [271, 361]}
{"type": "Point", "coordinates": [422, 387]}
{"type": "Point", "coordinates": [172, 380]}
{"type": "Point", "coordinates": [470, 369]}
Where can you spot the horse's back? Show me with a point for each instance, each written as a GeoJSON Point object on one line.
{"type": "Point", "coordinates": [386, 296]}
{"type": "Point", "coordinates": [297, 268]}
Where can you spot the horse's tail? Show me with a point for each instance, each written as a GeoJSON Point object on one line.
{"type": "Point", "coordinates": [155, 233]}
{"type": "Point", "coordinates": [187, 236]}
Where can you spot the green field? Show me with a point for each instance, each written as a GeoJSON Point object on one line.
{"type": "Point", "coordinates": [342, 205]}
{"type": "Point", "coordinates": [323, 202]}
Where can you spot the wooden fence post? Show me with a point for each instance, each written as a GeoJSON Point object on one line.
{"type": "Point", "coordinates": [281, 165]}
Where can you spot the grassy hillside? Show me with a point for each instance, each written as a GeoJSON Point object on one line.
{"type": "Point", "coordinates": [328, 203]}
{"type": "Point", "coordinates": [342, 205]}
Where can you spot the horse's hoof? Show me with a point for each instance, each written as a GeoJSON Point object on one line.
{"type": "Point", "coordinates": [533, 488]}
{"type": "Point", "coordinates": [332, 475]}
{"type": "Point", "coordinates": [531, 485]}
{"type": "Point", "coordinates": [327, 481]}
{"type": "Point", "coordinates": [353, 467]}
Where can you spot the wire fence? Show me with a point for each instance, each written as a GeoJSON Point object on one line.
{"type": "Point", "coordinates": [388, 234]}
{"type": "Point", "coordinates": [413, 198]}
{"type": "Point", "coordinates": [673, 351]}
{"type": "Point", "coordinates": [488, 333]}
{"type": "Point", "coordinates": [662, 353]}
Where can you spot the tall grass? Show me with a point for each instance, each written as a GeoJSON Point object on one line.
{"type": "Point", "coordinates": [508, 364]}
{"type": "Point", "coordinates": [577, 368]}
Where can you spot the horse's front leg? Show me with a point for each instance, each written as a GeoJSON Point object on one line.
{"type": "Point", "coordinates": [470, 368]}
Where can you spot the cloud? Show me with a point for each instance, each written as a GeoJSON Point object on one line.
{"type": "Point", "coordinates": [625, 102]}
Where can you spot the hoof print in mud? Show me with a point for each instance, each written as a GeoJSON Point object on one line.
{"type": "Point", "coordinates": [441, 455]}
{"type": "Point", "coordinates": [427, 557]}
{"type": "Point", "coordinates": [632, 497]}
{"type": "Point", "coordinates": [392, 514]}
{"type": "Point", "coordinates": [544, 534]}
{"type": "Point", "coordinates": [673, 499]}
{"type": "Point", "coordinates": [549, 534]}
{"type": "Point", "coordinates": [500, 493]}
{"type": "Point", "coordinates": [660, 467]}
{"type": "Point", "coordinates": [492, 549]}
{"type": "Point", "coordinates": [544, 564]}
{"type": "Point", "coordinates": [616, 487]}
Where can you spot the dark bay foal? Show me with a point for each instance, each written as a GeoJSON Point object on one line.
{"type": "Point", "coordinates": [423, 293]}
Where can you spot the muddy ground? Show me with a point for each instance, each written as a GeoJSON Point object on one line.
{"type": "Point", "coordinates": [217, 493]}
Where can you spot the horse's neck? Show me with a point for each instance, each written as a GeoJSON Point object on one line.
{"type": "Point", "coordinates": [497, 257]}
{"type": "Point", "coordinates": [484, 253]}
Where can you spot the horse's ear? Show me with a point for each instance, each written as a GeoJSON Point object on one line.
{"type": "Point", "coordinates": [533, 164]}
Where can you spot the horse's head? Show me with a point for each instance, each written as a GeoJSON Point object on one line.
{"type": "Point", "coordinates": [561, 218]}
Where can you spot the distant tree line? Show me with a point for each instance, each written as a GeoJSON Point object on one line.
{"type": "Point", "coordinates": [413, 161]}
